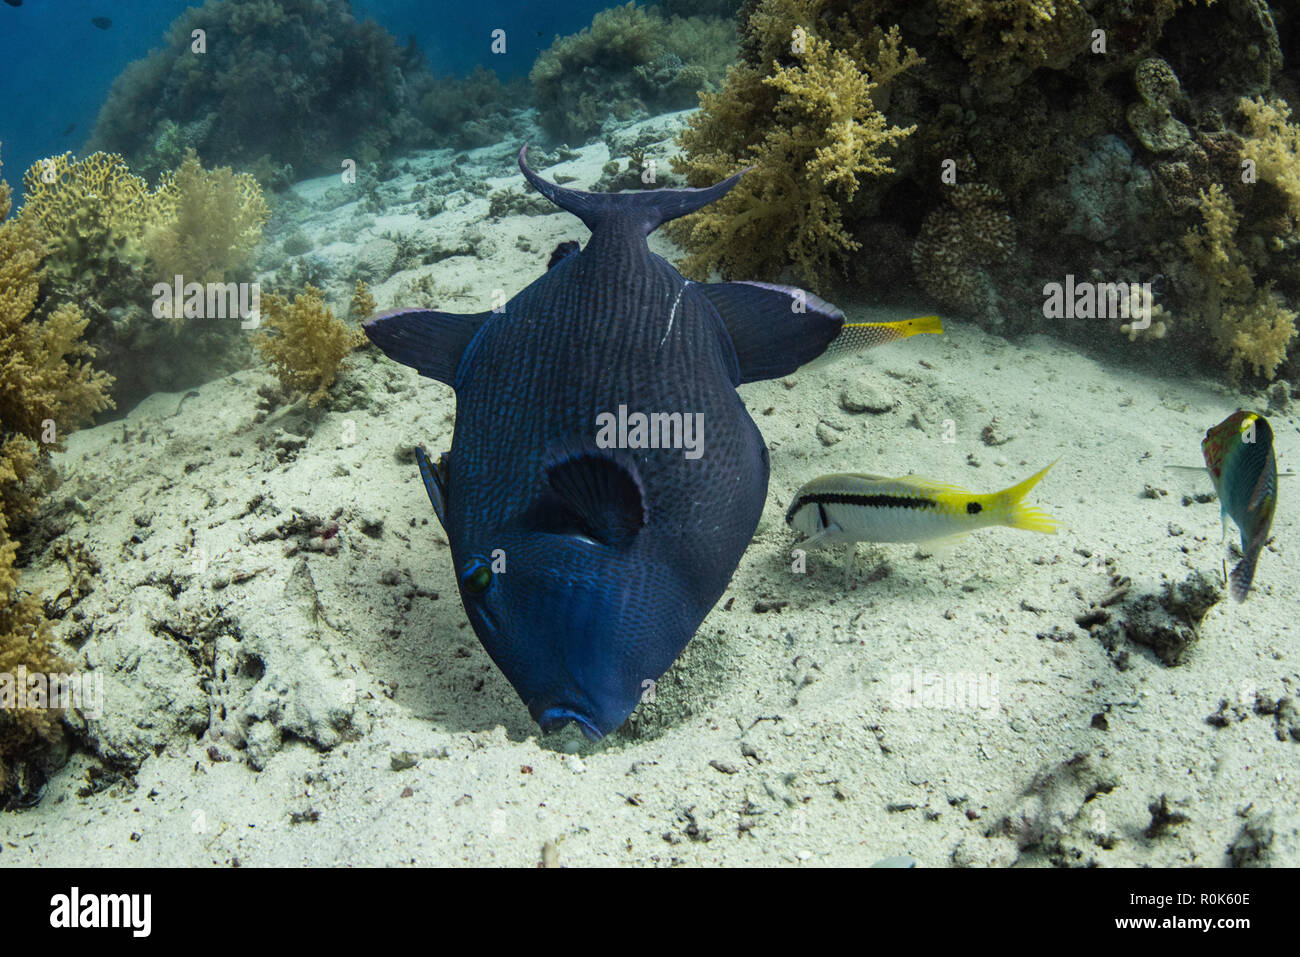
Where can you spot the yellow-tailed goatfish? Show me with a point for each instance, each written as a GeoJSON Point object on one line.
{"type": "Point", "coordinates": [850, 507]}
{"type": "Point", "coordinates": [1239, 456]}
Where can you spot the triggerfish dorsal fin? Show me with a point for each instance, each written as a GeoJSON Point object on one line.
{"type": "Point", "coordinates": [646, 209]}
{"type": "Point", "coordinates": [432, 343]}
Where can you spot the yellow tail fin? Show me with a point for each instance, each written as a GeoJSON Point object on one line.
{"type": "Point", "coordinates": [860, 336]}
{"type": "Point", "coordinates": [1020, 515]}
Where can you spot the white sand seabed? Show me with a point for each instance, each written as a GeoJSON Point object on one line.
{"type": "Point", "coordinates": [385, 735]}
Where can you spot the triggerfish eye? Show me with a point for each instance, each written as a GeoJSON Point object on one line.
{"type": "Point", "coordinates": [476, 577]}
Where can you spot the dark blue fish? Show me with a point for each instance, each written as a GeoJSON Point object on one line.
{"type": "Point", "coordinates": [103, 23]}
{"type": "Point", "coordinates": [14, 3]}
{"type": "Point", "coordinates": [585, 565]}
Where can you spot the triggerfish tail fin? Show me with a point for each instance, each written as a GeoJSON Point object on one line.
{"type": "Point", "coordinates": [773, 329]}
{"type": "Point", "coordinates": [432, 343]}
{"type": "Point", "coordinates": [647, 209]}
{"type": "Point", "coordinates": [860, 336]}
{"type": "Point", "coordinates": [1243, 575]}
{"type": "Point", "coordinates": [1011, 503]}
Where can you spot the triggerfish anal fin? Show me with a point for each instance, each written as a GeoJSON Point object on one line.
{"type": "Point", "coordinates": [432, 343]}
{"type": "Point", "coordinates": [774, 329]}
{"type": "Point", "coordinates": [646, 209]}
{"type": "Point", "coordinates": [858, 337]}
{"type": "Point", "coordinates": [435, 482]}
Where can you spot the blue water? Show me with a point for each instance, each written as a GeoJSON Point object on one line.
{"type": "Point", "coordinates": [58, 67]}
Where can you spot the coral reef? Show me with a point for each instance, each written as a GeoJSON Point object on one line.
{"type": "Point", "coordinates": [473, 111]}
{"type": "Point", "coordinates": [301, 82]}
{"type": "Point", "coordinates": [47, 389]}
{"type": "Point", "coordinates": [630, 62]}
{"type": "Point", "coordinates": [304, 343]}
{"type": "Point", "coordinates": [111, 238]}
{"type": "Point", "coordinates": [821, 131]}
{"type": "Point", "coordinates": [1070, 125]}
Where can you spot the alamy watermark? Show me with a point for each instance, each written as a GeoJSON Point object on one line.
{"type": "Point", "coordinates": [655, 430]}
{"type": "Point", "coordinates": [213, 300]}
{"type": "Point", "coordinates": [944, 691]}
{"type": "Point", "coordinates": [23, 690]}
{"type": "Point", "coordinates": [1099, 300]}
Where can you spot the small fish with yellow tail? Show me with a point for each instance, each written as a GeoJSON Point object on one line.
{"type": "Point", "coordinates": [1239, 456]}
{"type": "Point", "coordinates": [852, 507]}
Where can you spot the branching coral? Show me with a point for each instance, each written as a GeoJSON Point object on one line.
{"type": "Point", "coordinates": [92, 214]}
{"type": "Point", "coordinates": [304, 343]}
{"type": "Point", "coordinates": [1273, 145]}
{"type": "Point", "coordinates": [812, 130]}
{"type": "Point", "coordinates": [997, 34]}
{"type": "Point", "coordinates": [363, 303]}
{"type": "Point", "coordinates": [208, 222]}
{"type": "Point", "coordinates": [1248, 325]}
{"type": "Point", "coordinates": [46, 391]}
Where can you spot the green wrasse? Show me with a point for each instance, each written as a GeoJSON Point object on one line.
{"type": "Point", "coordinates": [1239, 456]}
{"type": "Point", "coordinates": [848, 507]}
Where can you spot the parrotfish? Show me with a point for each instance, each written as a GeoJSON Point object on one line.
{"type": "Point", "coordinates": [584, 566]}
{"type": "Point", "coordinates": [857, 507]}
{"type": "Point", "coordinates": [1239, 456]}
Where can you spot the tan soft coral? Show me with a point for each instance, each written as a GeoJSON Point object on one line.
{"type": "Point", "coordinates": [207, 222]}
{"type": "Point", "coordinates": [811, 129]}
{"type": "Point", "coordinates": [1272, 143]}
{"type": "Point", "coordinates": [46, 390]}
{"type": "Point", "coordinates": [997, 34]}
{"type": "Point", "coordinates": [1250, 326]}
{"type": "Point", "coordinates": [304, 343]}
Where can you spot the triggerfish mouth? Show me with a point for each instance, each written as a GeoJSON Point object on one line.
{"type": "Point", "coordinates": [856, 507]}
{"type": "Point", "coordinates": [587, 557]}
{"type": "Point", "coordinates": [1239, 456]}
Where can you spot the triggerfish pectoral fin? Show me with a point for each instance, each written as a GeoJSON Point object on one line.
{"type": "Point", "coordinates": [774, 329]}
{"type": "Point", "coordinates": [435, 482]}
{"type": "Point", "coordinates": [432, 343]}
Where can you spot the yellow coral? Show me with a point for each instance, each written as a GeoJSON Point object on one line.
{"type": "Point", "coordinates": [820, 135]}
{"type": "Point", "coordinates": [1273, 145]}
{"type": "Point", "coordinates": [46, 390]}
{"type": "Point", "coordinates": [363, 304]}
{"type": "Point", "coordinates": [206, 224]}
{"type": "Point", "coordinates": [995, 34]}
{"type": "Point", "coordinates": [91, 214]}
{"type": "Point", "coordinates": [1249, 326]}
{"type": "Point", "coordinates": [304, 342]}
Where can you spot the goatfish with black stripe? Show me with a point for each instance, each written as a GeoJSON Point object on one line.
{"type": "Point", "coordinates": [855, 507]}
